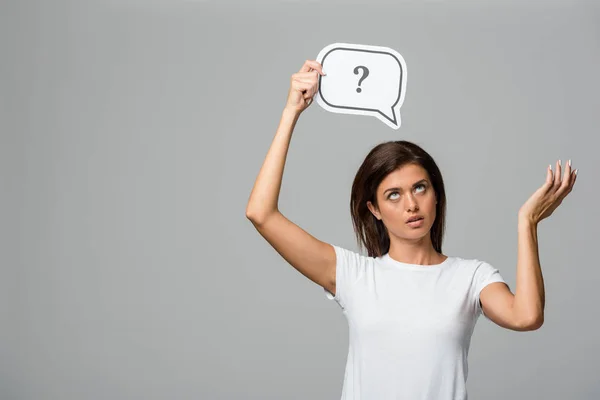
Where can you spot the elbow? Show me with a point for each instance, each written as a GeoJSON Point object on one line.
{"type": "Point", "coordinates": [252, 216]}
{"type": "Point", "coordinates": [251, 212]}
{"type": "Point", "coordinates": [533, 324]}
{"type": "Point", "coordinates": [256, 217]}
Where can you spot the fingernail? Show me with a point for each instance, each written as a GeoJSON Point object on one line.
{"type": "Point", "coordinates": [324, 73]}
{"type": "Point", "coordinates": [569, 163]}
{"type": "Point", "coordinates": [559, 163]}
{"type": "Point", "coordinates": [576, 171]}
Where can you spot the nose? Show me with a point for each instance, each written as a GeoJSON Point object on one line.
{"type": "Point", "coordinates": [411, 204]}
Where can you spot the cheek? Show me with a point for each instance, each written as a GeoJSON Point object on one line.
{"type": "Point", "coordinates": [392, 210]}
{"type": "Point", "coordinates": [431, 205]}
{"type": "Point", "coordinates": [433, 211]}
{"type": "Point", "coordinates": [390, 213]}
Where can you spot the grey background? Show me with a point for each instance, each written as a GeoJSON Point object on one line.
{"type": "Point", "coordinates": [132, 133]}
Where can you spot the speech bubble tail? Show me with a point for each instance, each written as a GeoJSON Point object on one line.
{"type": "Point", "coordinates": [392, 118]}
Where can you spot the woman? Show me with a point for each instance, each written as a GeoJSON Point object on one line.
{"type": "Point", "coordinates": [411, 310]}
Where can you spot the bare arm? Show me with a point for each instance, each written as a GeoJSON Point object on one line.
{"type": "Point", "coordinates": [265, 193]}
{"type": "Point", "coordinates": [264, 197]}
{"type": "Point", "coordinates": [311, 257]}
{"type": "Point", "coordinates": [525, 309]}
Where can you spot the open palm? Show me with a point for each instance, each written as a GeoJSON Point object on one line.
{"type": "Point", "coordinates": [550, 195]}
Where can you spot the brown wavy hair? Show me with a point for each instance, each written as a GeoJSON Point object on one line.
{"type": "Point", "coordinates": [383, 159]}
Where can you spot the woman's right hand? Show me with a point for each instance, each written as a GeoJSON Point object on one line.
{"type": "Point", "coordinates": [304, 85]}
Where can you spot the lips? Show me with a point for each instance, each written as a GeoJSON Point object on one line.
{"type": "Point", "coordinates": [412, 219]}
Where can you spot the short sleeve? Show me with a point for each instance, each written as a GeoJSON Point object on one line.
{"type": "Point", "coordinates": [349, 268]}
{"type": "Point", "coordinates": [484, 275]}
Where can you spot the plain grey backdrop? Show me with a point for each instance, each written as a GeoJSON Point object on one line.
{"type": "Point", "coordinates": [131, 136]}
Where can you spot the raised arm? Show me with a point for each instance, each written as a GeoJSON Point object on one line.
{"type": "Point", "coordinates": [311, 257]}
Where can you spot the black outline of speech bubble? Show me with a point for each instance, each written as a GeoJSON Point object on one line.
{"type": "Point", "coordinates": [394, 121]}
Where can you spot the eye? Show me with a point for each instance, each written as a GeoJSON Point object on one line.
{"type": "Point", "coordinates": [421, 185]}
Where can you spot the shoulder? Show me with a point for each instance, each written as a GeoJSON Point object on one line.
{"type": "Point", "coordinates": [481, 272]}
{"type": "Point", "coordinates": [466, 263]}
{"type": "Point", "coordinates": [350, 258]}
{"type": "Point", "coordinates": [470, 261]}
{"type": "Point", "coordinates": [473, 266]}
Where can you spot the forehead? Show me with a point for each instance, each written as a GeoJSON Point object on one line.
{"type": "Point", "coordinates": [404, 177]}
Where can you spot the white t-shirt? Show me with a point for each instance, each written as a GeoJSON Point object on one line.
{"type": "Point", "coordinates": [410, 325]}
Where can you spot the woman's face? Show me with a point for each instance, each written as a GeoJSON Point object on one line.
{"type": "Point", "coordinates": [406, 192]}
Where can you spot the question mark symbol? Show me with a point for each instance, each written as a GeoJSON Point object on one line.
{"type": "Point", "coordinates": [364, 76]}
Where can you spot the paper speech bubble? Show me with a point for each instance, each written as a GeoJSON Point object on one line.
{"type": "Point", "coordinates": [363, 80]}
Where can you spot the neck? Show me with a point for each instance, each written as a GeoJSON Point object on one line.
{"type": "Point", "coordinates": [419, 253]}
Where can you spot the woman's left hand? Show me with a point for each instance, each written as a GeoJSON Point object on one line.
{"type": "Point", "coordinates": [548, 197]}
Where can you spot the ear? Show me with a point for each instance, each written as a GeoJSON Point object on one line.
{"type": "Point", "coordinates": [373, 210]}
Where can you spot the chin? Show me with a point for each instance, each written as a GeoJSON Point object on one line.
{"type": "Point", "coordinates": [418, 233]}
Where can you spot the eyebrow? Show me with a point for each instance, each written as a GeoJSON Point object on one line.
{"type": "Point", "coordinates": [400, 189]}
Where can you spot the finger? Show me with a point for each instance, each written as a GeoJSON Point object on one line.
{"type": "Point", "coordinates": [571, 181]}
{"type": "Point", "coordinates": [307, 76]}
{"type": "Point", "coordinates": [311, 86]}
{"type": "Point", "coordinates": [308, 64]}
{"type": "Point", "coordinates": [574, 176]}
{"type": "Point", "coordinates": [310, 92]}
{"type": "Point", "coordinates": [566, 181]}
{"type": "Point", "coordinates": [302, 86]}
{"type": "Point", "coordinates": [549, 176]}
{"type": "Point", "coordinates": [567, 171]}
{"type": "Point", "coordinates": [557, 177]}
